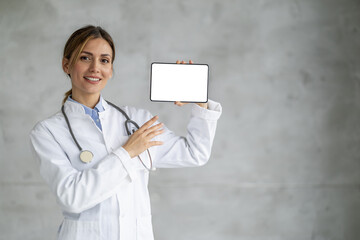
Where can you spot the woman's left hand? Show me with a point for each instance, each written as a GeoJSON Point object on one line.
{"type": "Point", "coordinates": [203, 105]}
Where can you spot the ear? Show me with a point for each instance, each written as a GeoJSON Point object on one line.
{"type": "Point", "coordinates": [65, 65]}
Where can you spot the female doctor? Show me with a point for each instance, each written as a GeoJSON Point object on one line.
{"type": "Point", "coordinates": [96, 161]}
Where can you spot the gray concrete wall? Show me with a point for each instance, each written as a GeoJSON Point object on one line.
{"type": "Point", "coordinates": [286, 158]}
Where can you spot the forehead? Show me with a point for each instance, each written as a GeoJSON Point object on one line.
{"type": "Point", "coordinates": [98, 46]}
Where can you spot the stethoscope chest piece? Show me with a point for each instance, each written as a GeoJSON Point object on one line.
{"type": "Point", "coordinates": [86, 156]}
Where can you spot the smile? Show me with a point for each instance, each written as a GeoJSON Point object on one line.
{"type": "Point", "coordinates": [92, 79]}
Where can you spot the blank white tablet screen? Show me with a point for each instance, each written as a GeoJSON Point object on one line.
{"type": "Point", "coordinates": [179, 82]}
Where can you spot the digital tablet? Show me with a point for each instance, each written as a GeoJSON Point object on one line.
{"type": "Point", "coordinates": [171, 82]}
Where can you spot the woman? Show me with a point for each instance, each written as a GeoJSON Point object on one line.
{"type": "Point", "coordinates": [103, 193]}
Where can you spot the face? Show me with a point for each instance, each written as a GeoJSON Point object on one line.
{"type": "Point", "coordinates": [92, 70]}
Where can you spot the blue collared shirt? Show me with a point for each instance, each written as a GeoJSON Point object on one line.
{"type": "Point", "coordinates": [93, 113]}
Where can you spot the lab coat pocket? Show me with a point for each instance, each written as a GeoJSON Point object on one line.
{"type": "Point", "coordinates": [144, 229]}
{"type": "Point", "coordinates": [79, 230]}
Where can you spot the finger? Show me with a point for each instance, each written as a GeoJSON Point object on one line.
{"type": "Point", "coordinates": [180, 104]}
{"type": "Point", "coordinates": [182, 62]}
{"type": "Point", "coordinates": [177, 61]}
{"type": "Point", "coordinates": [148, 124]}
{"type": "Point", "coordinates": [154, 128]}
{"type": "Point", "coordinates": [154, 134]}
{"type": "Point", "coordinates": [154, 143]}
{"type": "Point", "coordinates": [191, 62]}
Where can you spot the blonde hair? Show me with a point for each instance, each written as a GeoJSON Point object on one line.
{"type": "Point", "coordinates": [76, 43]}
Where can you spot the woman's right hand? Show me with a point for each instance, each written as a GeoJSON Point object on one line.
{"type": "Point", "coordinates": [140, 140]}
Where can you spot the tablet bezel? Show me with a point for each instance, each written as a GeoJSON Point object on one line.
{"type": "Point", "coordinates": [207, 90]}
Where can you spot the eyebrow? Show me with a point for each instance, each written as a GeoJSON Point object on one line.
{"type": "Point", "coordinates": [89, 53]}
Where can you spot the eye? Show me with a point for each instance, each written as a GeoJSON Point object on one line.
{"type": "Point", "coordinates": [84, 58]}
{"type": "Point", "coordinates": [105, 60]}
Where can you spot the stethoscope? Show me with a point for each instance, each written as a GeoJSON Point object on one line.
{"type": "Point", "coordinates": [86, 156]}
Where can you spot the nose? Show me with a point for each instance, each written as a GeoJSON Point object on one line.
{"type": "Point", "coordinates": [94, 67]}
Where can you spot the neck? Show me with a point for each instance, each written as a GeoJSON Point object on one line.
{"type": "Point", "coordinates": [89, 100]}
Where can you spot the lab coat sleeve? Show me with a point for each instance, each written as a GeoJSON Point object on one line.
{"type": "Point", "coordinates": [195, 148]}
{"type": "Point", "coordinates": [75, 190]}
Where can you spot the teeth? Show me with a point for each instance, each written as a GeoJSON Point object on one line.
{"type": "Point", "coordinates": [92, 79]}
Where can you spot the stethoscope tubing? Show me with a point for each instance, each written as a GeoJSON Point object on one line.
{"type": "Point", "coordinates": [69, 126]}
{"type": "Point", "coordinates": [127, 122]}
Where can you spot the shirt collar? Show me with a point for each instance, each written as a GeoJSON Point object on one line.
{"type": "Point", "coordinates": [98, 107]}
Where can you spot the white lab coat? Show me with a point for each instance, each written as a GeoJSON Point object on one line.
{"type": "Point", "coordinates": [108, 198]}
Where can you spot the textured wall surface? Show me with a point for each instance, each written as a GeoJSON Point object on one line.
{"type": "Point", "coordinates": [286, 157]}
